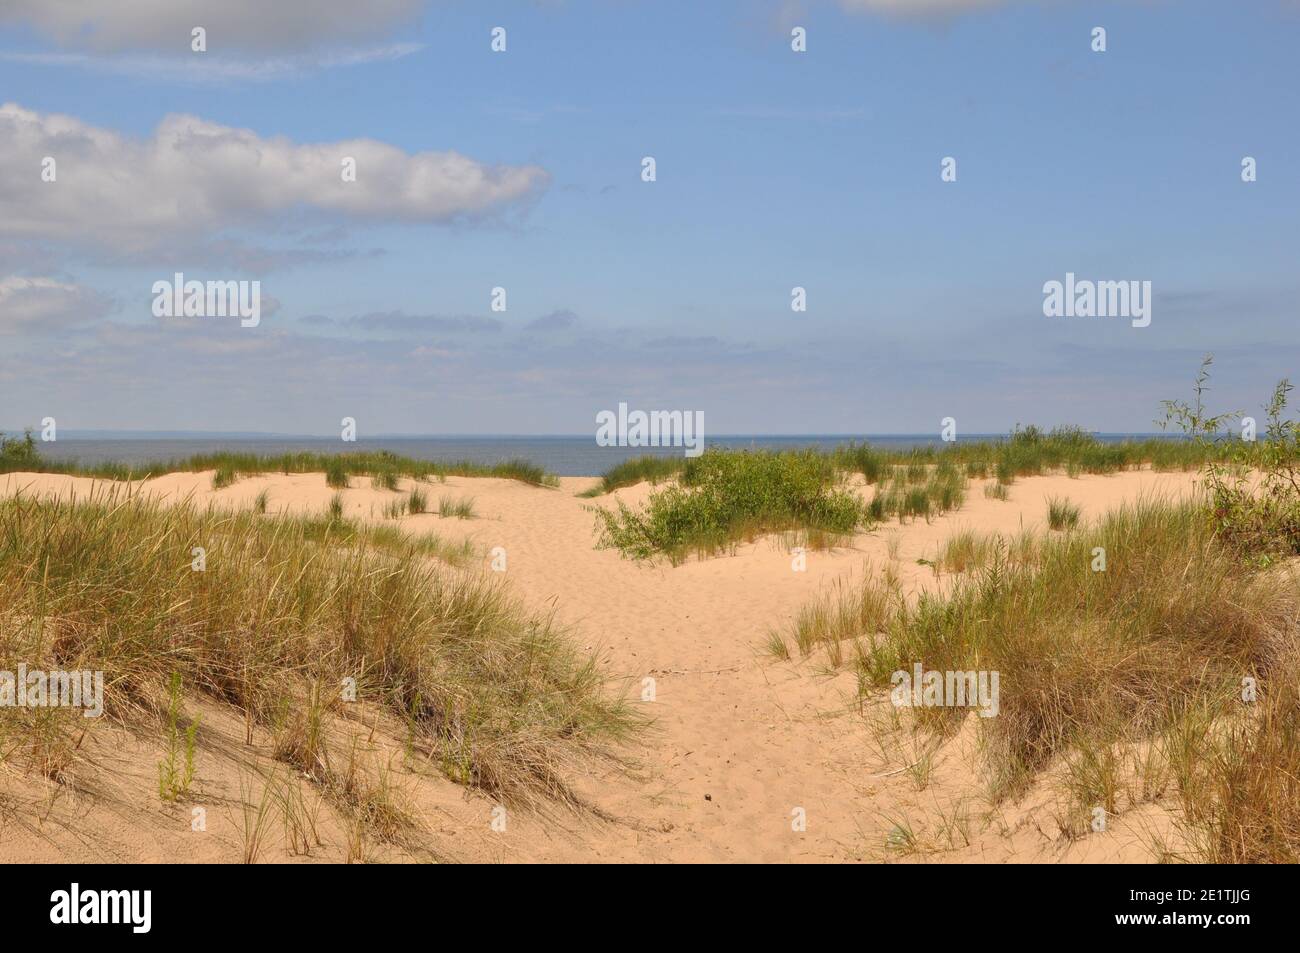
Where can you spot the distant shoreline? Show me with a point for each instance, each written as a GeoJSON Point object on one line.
{"type": "Point", "coordinates": [559, 455]}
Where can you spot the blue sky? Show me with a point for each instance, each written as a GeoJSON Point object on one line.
{"type": "Point", "coordinates": [775, 169]}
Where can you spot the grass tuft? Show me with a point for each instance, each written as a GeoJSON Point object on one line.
{"type": "Point", "coordinates": [462, 508]}
{"type": "Point", "coordinates": [1062, 514]}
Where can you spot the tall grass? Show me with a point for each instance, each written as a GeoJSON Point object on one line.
{"type": "Point", "coordinates": [493, 693]}
{"type": "Point", "coordinates": [637, 470]}
{"type": "Point", "coordinates": [1152, 651]}
{"type": "Point", "coordinates": [223, 477]}
{"type": "Point", "coordinates": [918, 490]}
{"type": "Point", "coordinates": [1061, 513]}
{"type": "Point", "coordinates": [966, 550]}
{"type": "Point", "coordinates": [336, 474]}
{"type": "Point", "coordinates": [862, 459]}
{"type": "Point", "coordinates": [846, 611]}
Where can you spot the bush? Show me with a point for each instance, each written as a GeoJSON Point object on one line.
{"type": "Point", "coordinates": [726, 496]}
{"type": "Point", "coordinates": [18, 453]}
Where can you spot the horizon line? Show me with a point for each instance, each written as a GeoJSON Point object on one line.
{"type": "Point", "coordinates": [272, 435]}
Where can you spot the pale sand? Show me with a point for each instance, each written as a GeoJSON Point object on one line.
{"type": "Point", "coordinates": [739, 740]}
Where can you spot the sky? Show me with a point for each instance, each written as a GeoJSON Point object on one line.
{"type": "Point", "coordinates": [522, 169]}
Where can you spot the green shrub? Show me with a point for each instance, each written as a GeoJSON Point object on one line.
{"type": "Point", "coordinates": [725, 496]}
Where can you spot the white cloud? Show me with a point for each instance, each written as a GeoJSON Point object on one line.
{"type": "Point", "coordinates": [239, 25]}
{"type": "Point", "coordinates": [195, 177]}
{"type": "Point", "coordinates": [33, 305]}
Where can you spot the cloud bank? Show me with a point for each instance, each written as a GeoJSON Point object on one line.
{"type": "Point", "coordinates": [35, 305]}
{"type": "Point", "coordinates": [231, 25]}
{"type": "Point", "coordinates": [195, 176]}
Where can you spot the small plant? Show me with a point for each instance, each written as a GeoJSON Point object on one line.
{"type": "Point", "coordinates": [300, 820]}
{"type": "Point", "coordinates": [997, 491]}
{"type": "Point", "coordinates": [777, 646]}
{"type": "Point", "coordinates": [176, 770]}
{"type": "Point", "coordinates": [1062, 514]}
{"type": "Point", "coordinates": [335, 511]}
{"type": "Point", "coordinates": [395, 509]}
{"type": "Point", "coordinates": [417, 502]}
{"type": "Point", "coordinates": [259, 504]}
{"type": "Point", "coordinates": [462, 508]}
{"type": "Point", "coordinates": [255, 817]}
{"type": "Point", "coordinates": [223, 477]}
{"type": "Point", "coordinates": [1254, 487]}
{"type": "Point", "coordinates": [336, 475]}
{"type": "Point", "coordinates": [385, 479]}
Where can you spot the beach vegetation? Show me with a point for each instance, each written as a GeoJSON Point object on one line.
{"type": "Point", "coordinates": [286, 607]}
{"type": "Point", "coordinates": [725, 497]}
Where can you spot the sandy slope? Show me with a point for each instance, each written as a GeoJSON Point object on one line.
{"type": "Point", "coordinates": [739, 741]}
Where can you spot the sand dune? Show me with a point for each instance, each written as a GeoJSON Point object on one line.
{"type": "Point", "coordinates": [739, 741]}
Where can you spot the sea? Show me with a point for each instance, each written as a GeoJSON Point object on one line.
{"type": "Point", "coordinates": [561, 455]}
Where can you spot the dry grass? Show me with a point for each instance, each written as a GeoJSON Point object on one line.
{"type": "Point", "coordinates": [845, 613]}
{"type": "Point", "coordinates": [285, 610]}
{"type": "Point", "coordinates": [1130, 678]}
{"type": "Point", "coordinates": [966, 551]}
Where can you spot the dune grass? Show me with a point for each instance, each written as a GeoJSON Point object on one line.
{"type": "Point", "coordinates": [336, 474]}
{"type": "Point", "coordinates": [637, 470]}
{"type": "Point", "coordinates": [714, 503]}
{"type": "Point", "coordinates": [493, 694]}
{"type": "Point", "coordinates": [385, 479]}
{"type": "Point", "coordinates": [918, 483]}
{"type": "Point", "coordinates": [1062, 514]}
{"type": "Point", "coordinates": [1027, 451]}
{"type": "Point", "coordinates": [1150, 653]}
{"type": "Point", "coordinates": [917, 490]}
{"type": "Point", "coordinates": [385, 467]}
{"type": "Point", "coordinates": [725, 497]}
{"type": "Point", "coordinates": [862, 459]}
{"type": "Point", "coordinates": [965, 551]}
{"type": "Point", "coordinates": [1033, 451]}
{"type": "Point", "coordinates": [828, 622]}
{"type": "Point", "coordinates": [460, 508]}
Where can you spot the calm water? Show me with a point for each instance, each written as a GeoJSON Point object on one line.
{"type": "Point", "coordinates": [566, 456]}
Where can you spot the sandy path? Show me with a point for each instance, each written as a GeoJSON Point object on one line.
{"type": "Point", "coordinates": [739, 741]}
